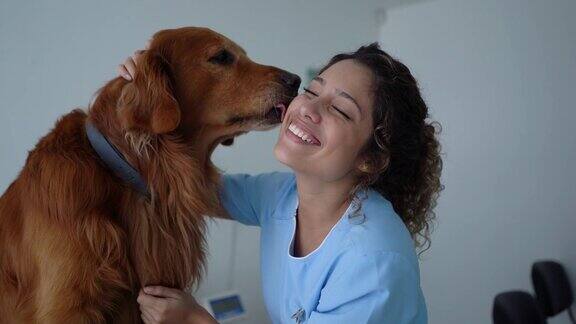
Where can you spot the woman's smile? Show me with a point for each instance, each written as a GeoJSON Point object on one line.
{"type": "Point", "coordinates": [294, 134]}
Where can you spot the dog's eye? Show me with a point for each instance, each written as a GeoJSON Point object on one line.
{"type": "Point", "coordinates": [223, 57]}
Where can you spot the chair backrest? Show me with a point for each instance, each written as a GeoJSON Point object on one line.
{"type": "Point", "coordinates": [552, 288]}
{"type": "Point", "coordinates": [516, 307]}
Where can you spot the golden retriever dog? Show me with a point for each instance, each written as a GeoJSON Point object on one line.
{"type": "Point", "coordinates": [77, 240]}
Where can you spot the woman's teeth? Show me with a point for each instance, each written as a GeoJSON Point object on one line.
{"type": "Point", "coordinates": [298, 132]}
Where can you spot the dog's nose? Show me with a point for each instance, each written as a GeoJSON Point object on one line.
{"type": "Point", "coordinates": [289, 79]}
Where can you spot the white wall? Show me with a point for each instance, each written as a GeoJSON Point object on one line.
{"type": "Point", "coordinates": [500, 76]}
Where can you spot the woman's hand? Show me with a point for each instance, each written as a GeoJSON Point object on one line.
{"type": "Point", "coordinates": [127, 70]}
{"type": "Point", "coordinates": [166, 305]}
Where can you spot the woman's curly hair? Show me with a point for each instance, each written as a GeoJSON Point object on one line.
{"type": "Point", "coordinates": [402, 158]}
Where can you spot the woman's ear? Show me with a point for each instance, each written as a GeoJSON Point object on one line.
{"type": "Point", "coordinates": [148, 103]}
{"type": "Point", "coordinates": [373, 163]}
{"type": "Point", "coordinates": [364, 167]}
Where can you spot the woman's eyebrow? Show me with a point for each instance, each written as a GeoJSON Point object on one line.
{"type": "Point", "coordinates": [319, 79]}
{"type": "Point", "coordinates": [347, 96]}
{"type": "Point", "coordinates": [340, 93]}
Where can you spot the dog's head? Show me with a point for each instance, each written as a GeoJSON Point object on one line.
{"type": "Point", "coordinates": [202, 85]}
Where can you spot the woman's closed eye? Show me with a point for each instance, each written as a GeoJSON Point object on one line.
{"type": "Point", "coordinates": [308, 93]}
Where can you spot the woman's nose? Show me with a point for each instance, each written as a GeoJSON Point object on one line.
{"type": "Point", "coordinates": [311, 110]}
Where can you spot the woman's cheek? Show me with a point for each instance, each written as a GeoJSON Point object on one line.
{"type": "Point", "coordinates": [344, 138]}
{"type": "Point", "coordinates": [296, 102]}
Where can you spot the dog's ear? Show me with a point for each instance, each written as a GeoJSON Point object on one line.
{"type": "Point", "coordinates": [148, 103]}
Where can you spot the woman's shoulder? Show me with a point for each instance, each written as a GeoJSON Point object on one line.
{"type": "Point", "coordinates": [374, 268]}
{"type": "Point", "coordinates": [376, 229]}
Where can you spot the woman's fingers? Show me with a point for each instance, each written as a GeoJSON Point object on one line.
{"type": "Point", "coordinates": [123, 72]}
{"type": "Point", "coordinates": [149, 302]}
{"type": "Point", "coordinates": [146, 318]}
{"type": "Point", "coordinates": [130, 66]}
{"type": "Point", "coordinates": [161, 291]}
{"type": "Point", "coordinates": [148, 315]}
{"type": "Point", "coordinates": [127, 70]}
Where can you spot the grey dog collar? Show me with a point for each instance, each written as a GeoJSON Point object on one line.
{"type": "Point", "coordinates": [115, 161]}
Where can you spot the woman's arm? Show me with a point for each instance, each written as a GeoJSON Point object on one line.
{"type": "Point", "coordinates": [249, 199]}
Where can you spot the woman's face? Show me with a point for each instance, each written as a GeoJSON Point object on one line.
{"type": "Point", "coordinates": [325, 127]}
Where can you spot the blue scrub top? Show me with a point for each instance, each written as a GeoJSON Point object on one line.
{"type": "Point", "coordinates": [365, 270]}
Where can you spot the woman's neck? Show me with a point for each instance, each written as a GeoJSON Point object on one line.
{"type": "Point", "coordinates": [322, 203]}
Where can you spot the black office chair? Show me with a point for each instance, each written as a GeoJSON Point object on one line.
{"type": "Point", "coordinates": [516, 307]}
{"type": "Point", "coordinates": [552, 288]}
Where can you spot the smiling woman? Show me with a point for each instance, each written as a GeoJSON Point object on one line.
{"type": "Point", "coordinates": [369, 108]}
{"type": "Point", "coordinates": [328, 114]}
{"type": "Point", "coordinates": [339, 234]}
